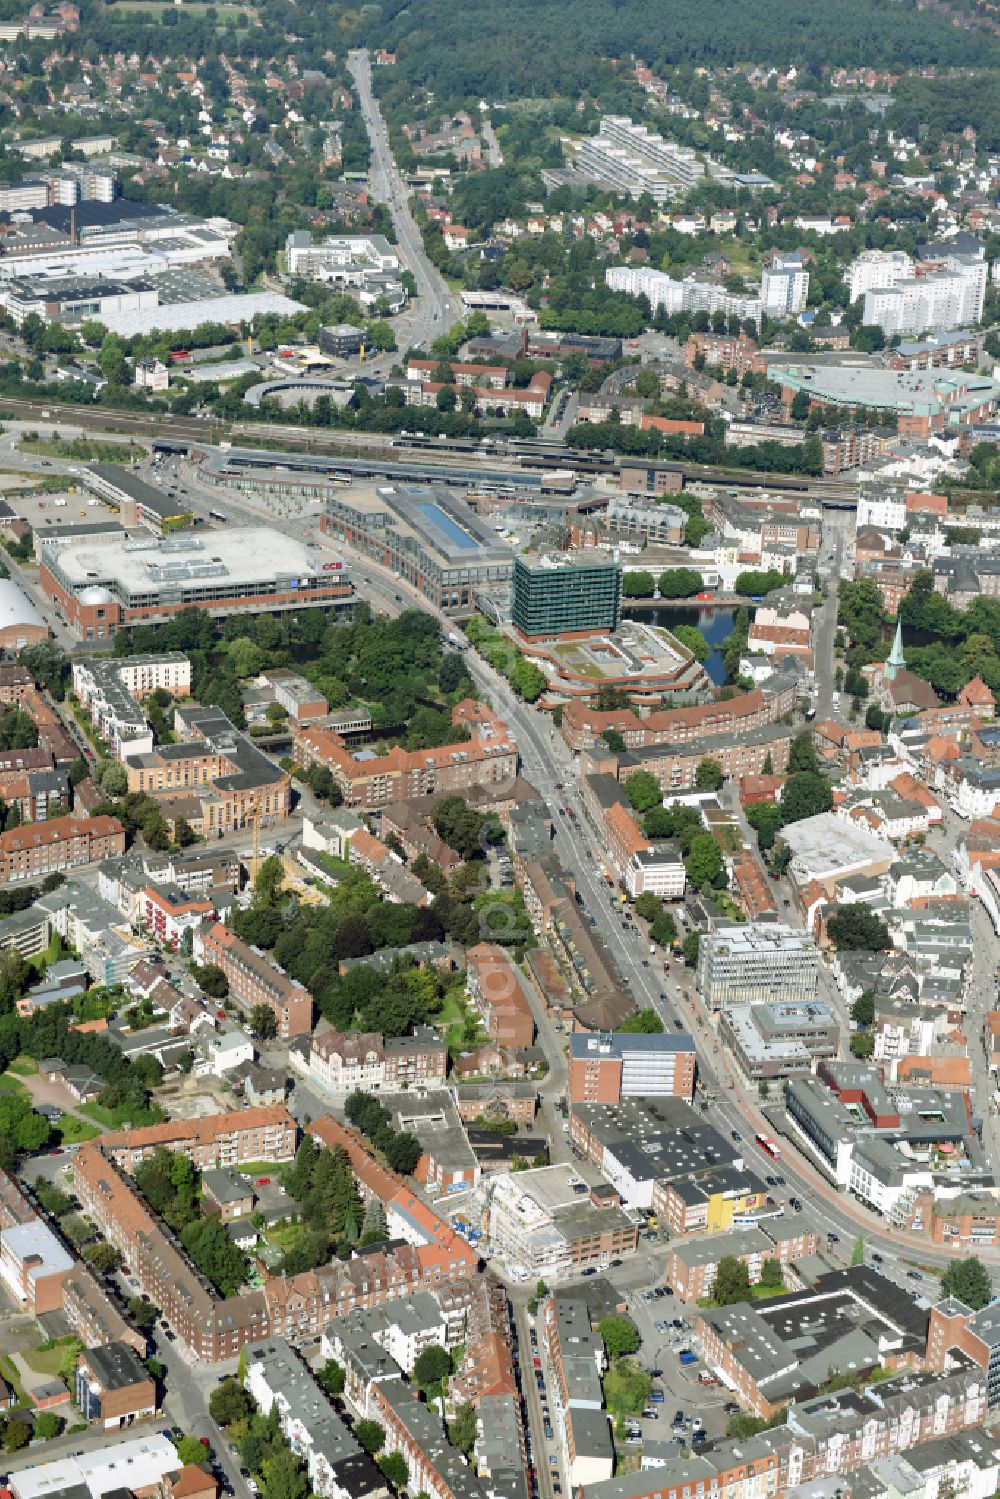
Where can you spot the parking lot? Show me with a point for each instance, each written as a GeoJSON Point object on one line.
{"type": "Point", "coordinates": [663, 1341]}
{"type": "Point", "coordinates": [50, 513]}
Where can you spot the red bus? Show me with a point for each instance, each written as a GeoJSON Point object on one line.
{"type": "Point", "coordinates": [769, 1148]}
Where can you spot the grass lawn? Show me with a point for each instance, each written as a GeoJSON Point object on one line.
{"type": "Point", "coordinates": [262, 1168]}
{"type": "Point", "coordinates": [284, 1236]}
{"type": "Point", "coordinates": [757, 1293]}
{"type": "Point", "coordinates": [83, 448]}
{"type": "Point", "coordinates": [117, 1118]}
{"type": "Point", "coordinates": [8, 1369]}
{"type": "Point", "coordinates": [452, 1011]}
{"type": "Point", "coordinates": [47, 1360]}
{"type": "Point", "coordinates": [150, 9]}
{"type": "Point", "coordinates": [24, 1066]}
{"type": "Point", "coordinates": [74, 1131]}
{"type": "Point", "coordinates": [9, 1084]}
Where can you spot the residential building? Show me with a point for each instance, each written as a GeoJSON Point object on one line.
{"type": "Point", "coordinates": [343, 1061]}
{"type": "Point", "coordinates": [692, 1264]}
{"type": "Point", "coordinates": [61, 843]}
{"type": "Point", "coordinates": [112, 1387]}
{"type": "Point", "coordinates": [784, 288]}
{"type": "Point", "coordinates": [489, 756]}
{"type": "Point", "coordinates": [337, 1466]}
{"type": "Point", "coordinates": [689, 295]}
{"type": "Point", "coordinates": [254, 979]}
{"type": "Point", "coordinates": [111, 691]}
{"type": "Point", "coordinates": [782, 1349]}
{"type": "Point", "coordinates": [138, 1465]}
{"type": "Point", "coordinates": [775, 1039]}
{"type": "Point", "coordinates": [294, 1306]}
{"type": "Point", "coordinates": [938, 302]}
{"type": "Point", "coordinates": [33, 1266]}
{"type": "Point", "coordinates": [544, 1227]}
{"type": "Point", "coordinates": [215, 1140]}
{"type": "Point", "coordinates": [632, 159]}
{"type": "Point", "coordinates": [496, 990]}
{"type": "Point", "coordinates": [224, 779]}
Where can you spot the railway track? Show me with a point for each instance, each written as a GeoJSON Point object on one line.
{"type": "Point", "coordinates": [210, 432]}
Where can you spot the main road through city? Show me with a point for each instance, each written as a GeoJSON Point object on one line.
{"type": "Point", "coordinates": [736, 1111]}
{"type": "Point", "coordinates": [437, 306]}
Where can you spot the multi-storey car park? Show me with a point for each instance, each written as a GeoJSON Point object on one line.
{"type": "Point", "coordinates": [101, 584]}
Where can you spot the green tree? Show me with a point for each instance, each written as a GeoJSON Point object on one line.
{"type": "Point", "coordinates": [190, 1451]}
{"type": "Point", "coordinates": [968, 1281]}
{"type": "Point", "coordinates": [643, 790]}
{"type": "Point", "coordinates": [693, 640]}
{"type": "Point", "coordinates": [648, 906]}
{"type": "Point", "coordinates": [101, 1257]}
{"type": "Point", "coordinates": [626, 1388]}
{"type": "Point", "coordinates": [862, 1045]}
{"type": "Point", "coordinates": [732, 1281]}
{"type": "Point", "coordinates": [690, 947]}
{"type": "Point", "coordinates": [284, 1476]}
{"type": "Point", "coordinates": [638, 585]}
{"type": "Point", "coordinates": [856, 928]}
{"type": "Point", "coordinates": [680, 583]}
{"type": "Point", "coordinates": [527, 680]}
{"type": "Point", "coordinates": [47, 1425]}
{"type": "Point", "coordinates": [268, 885]}
{"type": "Point", "coordinates": [709, 775]}
{"type": "Point", "coordinates": [370, 1434]}
{"type": "Point", "coordinates": [802, 755]}
{"type": "Point", "coordinates": [229, 1402]}
{"type": "Point", "coordinates": [643, 1023]}
{"type": "Point", "coordinates": [741, 1428]}
{"type": "Point", "coordinates": [143, 1312]}
{"type": "Point", "coordinates": [396, 1469]}
{"type": "Point", "coordinates": [245, 657]}
{"type": "Point", "coordinates": [16, 1435]}
{"type": "Point", "coordinates": [805, 794]}
{"type": "Point", "coordinates": [432, 1366]}
{"type": "Point", "coordinates": [771, 1275]}
{"type": "Point", "coordinates": [703, 863]}
{"type": "Point", "coordinates": [212, 981]}
{"type": "Point", "coordinates": [263, 1022]}
{"type": "Point", "coordinates": [619, 1335]}
{"type": "Point", "coordinates": [113, 778]}
{"type": "Point", "coordinates": [462, 1429]}
{"type": "Point", "coordinates": [863, 1008]}
{"type": "Point", "coordinates": [332, 1377]}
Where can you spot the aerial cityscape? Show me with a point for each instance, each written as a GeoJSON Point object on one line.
{"type": "Point", "coordinates": [499, 750]}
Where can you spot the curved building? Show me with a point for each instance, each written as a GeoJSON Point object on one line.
{"type": "Point", "coordinates": [20, 622]}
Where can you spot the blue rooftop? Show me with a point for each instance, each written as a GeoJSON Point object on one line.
{"type": "Point", "coordinates": [448, 528]}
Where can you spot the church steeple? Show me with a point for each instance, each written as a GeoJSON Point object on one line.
{"type": "Point", "coordinates": [896, 657]}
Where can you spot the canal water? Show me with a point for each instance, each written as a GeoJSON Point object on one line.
{"type": "Point", "coordinates": [715, 624]}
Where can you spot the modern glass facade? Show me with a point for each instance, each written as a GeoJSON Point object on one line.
{"type": "Point", "coordinates": [560, 599]}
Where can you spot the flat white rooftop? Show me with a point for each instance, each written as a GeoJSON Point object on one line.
{"type": "Point", "coordinates": [827, 845]}
{"type": "Point", "coordinates": [134, 1465]}
{"type": "Point", "coordinates": [177, 317]}
{"type": "Point", "coordinates": [236, 555]}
